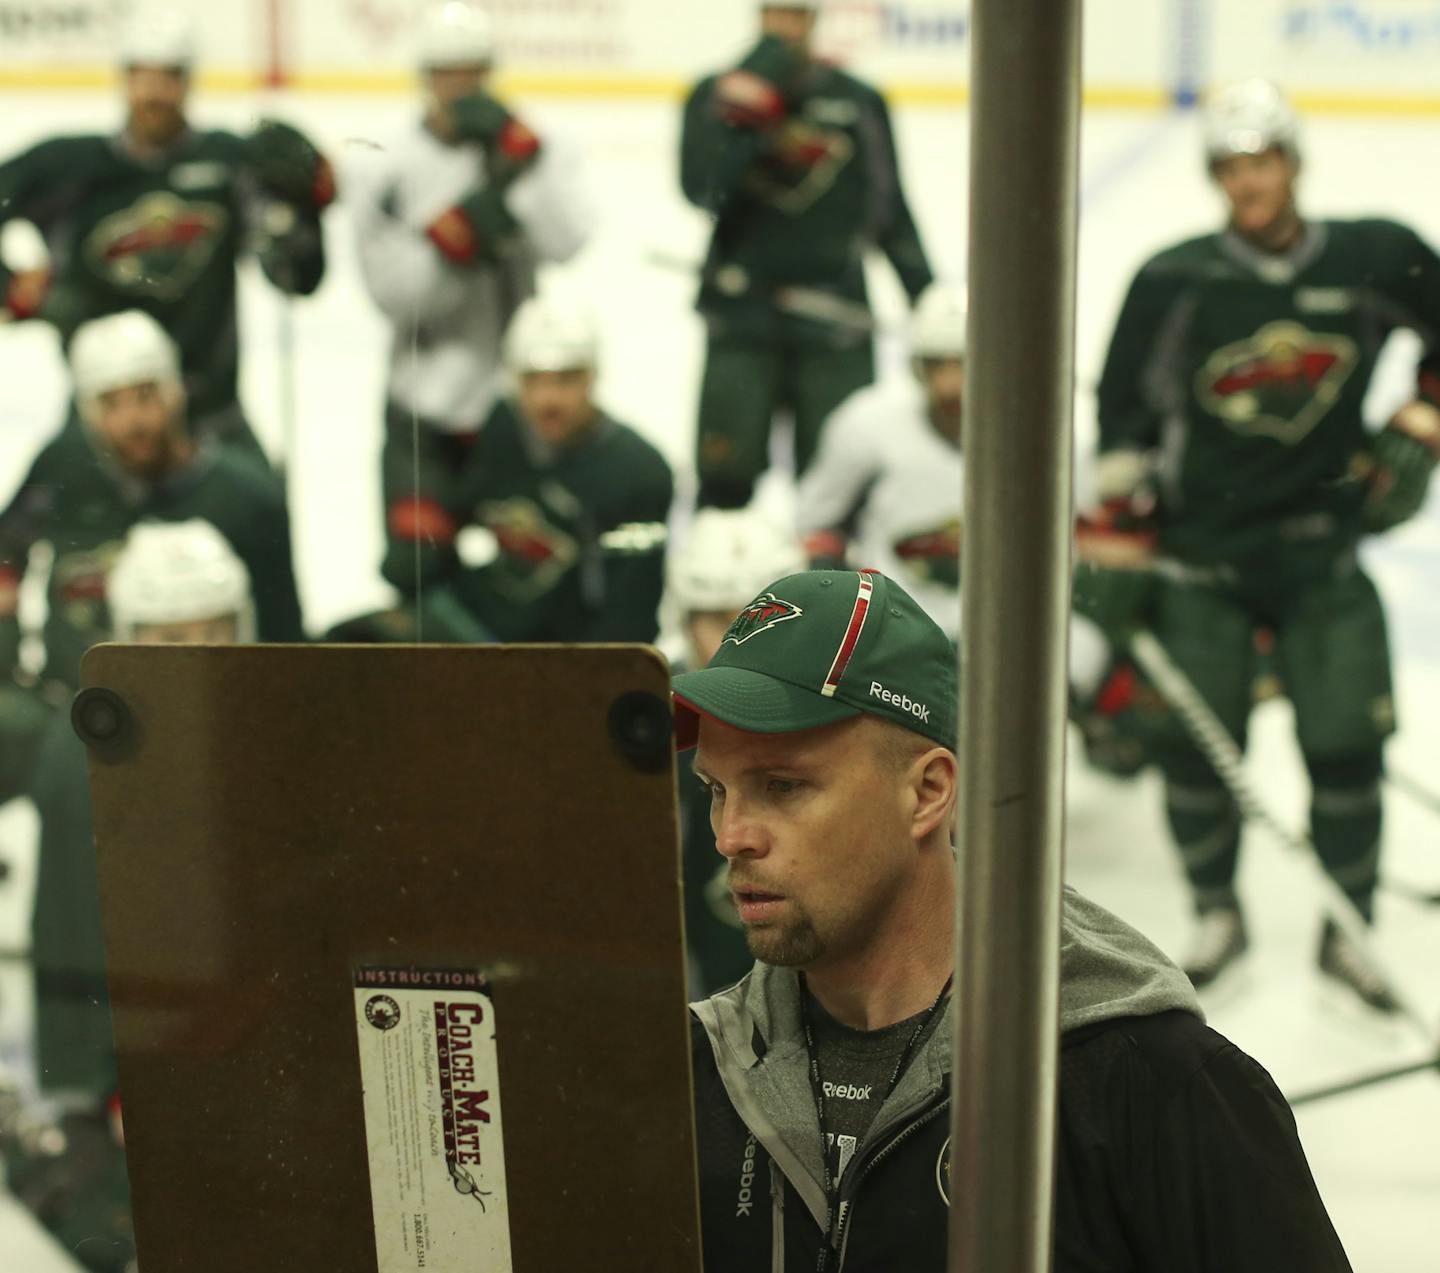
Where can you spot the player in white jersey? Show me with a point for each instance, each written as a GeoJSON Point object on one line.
{"type": "Point", "coordinates": [884, 491]}
{"type": "Point", "coordinates": [452, 219]}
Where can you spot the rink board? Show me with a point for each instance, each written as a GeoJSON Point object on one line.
{"type": "Point", "coordinates": [273, 822]}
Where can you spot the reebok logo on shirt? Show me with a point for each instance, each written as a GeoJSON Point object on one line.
{"type": "Point", "coordinates": [903, 701]}
{"type": "Point", "coordinates": [848, 1091]}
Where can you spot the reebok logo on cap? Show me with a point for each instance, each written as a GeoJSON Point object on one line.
{"type": "Point", "coordinates": [759, 616]}
{"type": "Point", "coordinates": [903, 701]}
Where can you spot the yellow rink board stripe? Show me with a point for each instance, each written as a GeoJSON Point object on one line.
{"type": "Point", "coordinates": [640, 87]}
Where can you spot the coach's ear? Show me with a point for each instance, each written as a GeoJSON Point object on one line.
{"type": "Point", "coordinates": [935, 779]}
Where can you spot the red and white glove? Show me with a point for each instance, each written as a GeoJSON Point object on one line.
{"type": "Point", "coordinates": [1120, 534]}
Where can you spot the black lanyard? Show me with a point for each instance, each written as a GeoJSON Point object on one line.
{"type": "Point", "coordinates": [817, 1089]}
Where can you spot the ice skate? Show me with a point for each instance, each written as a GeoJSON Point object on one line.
{"type": "Point", "coordinates": [1216, 947]}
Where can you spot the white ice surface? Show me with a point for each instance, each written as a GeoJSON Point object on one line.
{"type": "Point", "coordinates": [1376, 1155]}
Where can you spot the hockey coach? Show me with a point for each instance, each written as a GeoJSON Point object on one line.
{"type": "Point", "coordinates": [825, 731]}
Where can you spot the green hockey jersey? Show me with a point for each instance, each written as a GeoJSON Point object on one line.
{"type": "Point", "coordinates": [83, 507]}
{"type": "Point", "coordinates": [161, 236]}
{"type": "Point", "coordinates": [798, 204]}
{"type": "Point", "coordinates": [1246, 373]}
{"type": "Point", "coordinates": [576, 537]}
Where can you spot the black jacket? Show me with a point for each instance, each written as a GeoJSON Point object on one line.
{"type": "Point", "coordinates": [1176, 1152]}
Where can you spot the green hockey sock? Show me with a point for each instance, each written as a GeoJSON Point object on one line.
{"type": "Point", "coordinates": [1345, 821]}
{"type": "Point", "coordinates": [1205, 823]}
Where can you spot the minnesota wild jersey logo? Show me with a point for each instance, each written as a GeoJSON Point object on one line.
{"type": "Point", "coordinates": [535, 553]}
{"type": "Point", "coordinates": [933, 556]}
{"type": "Point", "coordinates": [759, 616]}
{"type": "Point", "coordinates": [158, 246]}
{"type": "Point", "coordinates": [77, 585]}
{"type": "Point", "coordinates": [801, 166]}
{"type": "Point", "coordinates": [1278, 383]}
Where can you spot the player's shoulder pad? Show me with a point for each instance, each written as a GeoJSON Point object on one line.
{"type": "Point", "coordinates": [648, 465]}
{"type": "Point", "coordinates": [703, 88]}
{"type": "Point", "coordinates": [70, 148]}
{"type": "Point", "coordinates": [889, 398]}
{"type": "Point", "coordinates": [244, 474]}
{"type": "Point", "coordinates": [1373, 233]}
{"type": "Point", "coordinates": [220, 140]}
{"type": "Point", "coordinates": [1180, 263]}
{"type": "Point", "coordinates": [1186, 255]}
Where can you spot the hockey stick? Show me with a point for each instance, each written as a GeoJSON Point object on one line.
{"type": "Point", "coordinates": [1215, 743]}
{"type": "Point", "coordinates": [1420, 896]}
{"type": "Point", "coordinates": [285, 336]}
{"type": "Point", "coordinates": [1417, 792]}
{"type": "Point", "coordinates": [801, 302]}
{"type": "Point", "coordinates": [1363, 1081]}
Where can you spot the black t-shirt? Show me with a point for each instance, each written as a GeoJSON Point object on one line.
{"type": "Point", "coordinates": [856, 1067]}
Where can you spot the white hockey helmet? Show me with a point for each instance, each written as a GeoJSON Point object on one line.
{"type": "Point", "coordinates": [455, 34]}
{"type": "Point", "coordinates": [728, 557]}
{"type": "Point", "coordinates": [1248, 119]}
{"type": "Point", "coordinates": [550, 335]}
{"type": "Point", "coordinates": [937, 327]}
{"type": "Point", "coordinates": [178, 572]}
{"type": "Point", "coordinates": [157, 36]}
{"type": "Point", "coordinates": [128, 348]}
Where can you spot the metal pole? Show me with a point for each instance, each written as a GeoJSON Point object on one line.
{"type": "Point", "coordinates": [1025, 90]}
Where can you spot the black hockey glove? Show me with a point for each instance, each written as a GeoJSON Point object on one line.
{"type": "Point", "coordinates": [479, 229]}
{"type": "Point", "coordinates": [510, 145]}
{"type": "Point", "coordinates": [287, 165]}
{"type": "Point", "coordinates": [1403, 455]}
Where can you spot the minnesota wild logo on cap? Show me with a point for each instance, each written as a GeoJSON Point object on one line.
{"type": "Point", "coordinates": [759, 616]}
{"type": "Point", "coordinates": [820, 647]}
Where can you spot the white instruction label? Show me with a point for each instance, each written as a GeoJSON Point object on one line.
{"type": "Point", "coordinates": [432, 1120]}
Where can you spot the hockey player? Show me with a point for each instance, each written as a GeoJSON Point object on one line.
{"type": "Point", "coordinates": [885, 493]}
{"type": "Point", "coordinates": [796, 162]}
{"type": "Point", "coordinates": [1231, 437]}
{"type": "Point", "coordinates": [889, 469]}
{"type": "Point", "coordinates": [134, 460]}
{"type": "Point", "coordinates": [555, 529]}
{"type": "Point", "coordinates": [156, 216]}
{"type": "Point", "coordinates": [452, 219]}
{"type": "Point", "coordinates": [729, 555]}
{"type": "Point", "coordinates": [177, 583]}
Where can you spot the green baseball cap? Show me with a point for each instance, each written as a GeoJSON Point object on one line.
{"type": "Point", "coordinates": [820, 647]}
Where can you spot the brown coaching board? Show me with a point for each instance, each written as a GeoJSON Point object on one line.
{"type": "Point", "coordinates": [452, 871]}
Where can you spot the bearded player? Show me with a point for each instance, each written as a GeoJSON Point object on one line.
{"type": "Point", "coordinates": [156, 216]}
{"type": "Point", "coordinates": [1232, 445]}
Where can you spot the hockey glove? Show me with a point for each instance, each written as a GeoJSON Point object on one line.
{"type": "Point", "coordinates": [512, 146]}
{"type": "Point", "coordinates": [1403, 454]}
{"type": "Point", "coordinates": [1115, 546]}
{"type": "Point", "coordinates": [478, 230]}
{"type": "Point", "coordinates": [753, 95]}
{"type": "Point", "coordinates": [287, 165]}
{"type": "Point", "coordinates": [1110, 728]}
